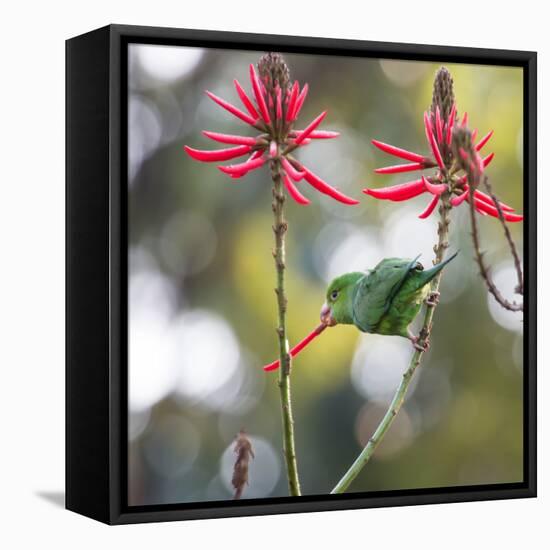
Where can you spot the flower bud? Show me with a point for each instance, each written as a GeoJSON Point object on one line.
{"type": "Point", "coordinates": [274, 71]}
{"type": "Point", "coordinates": [443, 94]}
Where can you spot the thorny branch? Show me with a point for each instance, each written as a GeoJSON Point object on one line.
{"type": "Point", "coordinates": [484, 269]}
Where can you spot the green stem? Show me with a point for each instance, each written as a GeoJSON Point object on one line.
{"type": "Point", "coordinates": [399, 397]}
{"type": "Point", "coordinates": [279, 229]}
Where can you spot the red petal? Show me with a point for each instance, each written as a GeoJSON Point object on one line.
{"type": "Point", "coordinates": [256, 154]}
{"type": "Point", "coordinates": [398, 168]}
{"type": "Point", "coordinates": [279, 111]}
{"type": "Point", "coordinates": [432, 142]}
{"type": "Point", "coordinates": [231, 108]}
{"type": "Point", "coordinates": [512, 217]}
{"type": "Point", "coordinates": [397, 152]}
{"type": "Point", "coordinates": [327, 189]}
{"type": "Point", "coordinates": [312, 126]}
{"type": "Point", "coordinates": [450, 124]}
{"type": "Point", "coordinates": [260, 100]}
{"type": "Point", "coordinates": [484, 140]}
{"type": "Point", "coordinates": [480, 211]}
{"type": "Point", "coordinates": [401, 192]}
{"type": "Point", "coordinates": [487, 160]}
{"type": "Point", "coordinates": [292, 101]}
{"type": "Point", "coordinates": [246, 100]}
{"type": "Point", "coordinates": [229, 138]}
{"type": "Point", "coordinates": [214, 156]}
{"type": "Point", "coordinates": [293, 191]}
{"type": "Point", "coordinates": [273, 149]}
{"type": "Point", "coordinates": [300, 102]}
{"type": "Point", "coordinates": [298, 347]}
{"type": "Point", "coordinates": [438, 125]}
{"type": "Point", "coordinates": [296, 175]}
{"type": "Point", "coordinates": [464, 119]}
{"type": "Point", "coordinates": [305, 142]}
{"type": "Point", "coordinates": [319, 134]}
{"type": "Point", "coordinates": [459, 199]}
{"type": "Point", "coordinates": [486, 198]}
{"type": "Point", "coordinates": [479, 195]}
{"type": "Point", "coordinates": [430, 208]}
{"type": "Point", "coordinates": [492, 211]}
{"type": "Point", "coordinates": [242, 168]}
{"type": "Point", "coordinates": [434, 189]}
{"type": "Point", "coordinates": [428, 127]}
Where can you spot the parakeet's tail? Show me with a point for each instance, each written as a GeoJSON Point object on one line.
{"type": "Point", "coordinates": [428, 274]}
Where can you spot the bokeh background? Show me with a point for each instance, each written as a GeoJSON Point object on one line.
{"type": "Point", "coordinates": [202, 309]}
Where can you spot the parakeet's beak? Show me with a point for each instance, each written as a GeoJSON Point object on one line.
{"type": "Point", "coordinates": [326, 316]}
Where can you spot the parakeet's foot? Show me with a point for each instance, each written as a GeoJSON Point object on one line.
{"type": "Point", "coordinates": [417, 344]}
{"type": "Point", "coordinates": [433, 298]}
{"type": "Point", "coordinates": [420, 347]}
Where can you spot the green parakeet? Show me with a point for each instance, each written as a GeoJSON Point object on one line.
{"type": "Point", "coordinates": [384, 300]}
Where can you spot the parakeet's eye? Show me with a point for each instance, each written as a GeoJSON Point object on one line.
{"type": "Point", "coordinates": [334, 295]}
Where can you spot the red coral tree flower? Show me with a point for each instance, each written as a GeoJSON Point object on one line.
{"type": "Point", "coordinates": [272, 109]}
{"type": "Point", "coordinates": [440, 123]}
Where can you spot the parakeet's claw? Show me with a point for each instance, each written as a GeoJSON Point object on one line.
{"type": "Point", "coordinates": [433, 298]}
{"type": "Point", "coordinates": [419, 343]}
{"type": "Point", "coordinates": [419, 347]}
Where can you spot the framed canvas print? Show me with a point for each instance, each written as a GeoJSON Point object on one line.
{"type": "Point", "coordinates": [301, 274]}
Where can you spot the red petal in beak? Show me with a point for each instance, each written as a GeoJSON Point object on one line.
{"type": "Point", "coordinates": [298, 347]}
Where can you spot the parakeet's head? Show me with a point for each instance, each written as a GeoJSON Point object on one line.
{"type": "Point", "coordinates": [337, 308]}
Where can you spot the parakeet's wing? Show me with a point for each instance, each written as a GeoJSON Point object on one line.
{"type": "Point", "coordinates": [374, 293]}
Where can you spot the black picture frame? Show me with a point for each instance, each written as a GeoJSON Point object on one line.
{"type": "Point", "coordinates": [96, 273]}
